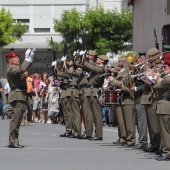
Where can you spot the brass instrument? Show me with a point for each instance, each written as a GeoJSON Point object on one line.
{"type": "Point", "coordinates": [129, 56]}
{"type": "Point", "coordinates": [158, 56]}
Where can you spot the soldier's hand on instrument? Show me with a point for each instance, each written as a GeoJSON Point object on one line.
{"type": "Point", "coordinates": [156, 75]}
{"type": "Point", "coordinates": [159, 80]}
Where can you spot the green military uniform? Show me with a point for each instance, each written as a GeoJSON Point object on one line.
{"type": "Point", "coordinates": [163, 113]}
{"type": "Point", "coordinates": [17, 98]}
{"type": "Point", "coordinates": [122, 134]}
{"type": "Point", "coordinates": [82, 83]}
{"type": "Point", "coordinates": [73, 99]}
{"type": "Point", "coordinates": [150, 107]}
{"type": "Point", "coordinates": [65, 103]}
{"type": "Point", "coordinates": [93, 109]}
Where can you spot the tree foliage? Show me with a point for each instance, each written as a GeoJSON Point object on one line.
{"type": "Point", "coordinates": [104, 31]}
{"type": "Point", "coordinates": [9, 32]}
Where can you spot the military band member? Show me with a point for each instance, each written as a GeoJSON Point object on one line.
{"type": "Point", "coordinates": [118, 109]}
{"type": "Point", "coordinates": [150, 106]}
{"type": "Point", "coordinates": [92, 106]}
{"type": "Point", "coordinates": [64, 98]}
{"type": "Point", "coordinates": [82, 83]}
{"type": "Point", "coordinates": [73, 99]}
{"type": "Point", "coordinates": [139, 108]}
{"type": "Point", "coordinates": [18, 94]}
{"type": "Point", "coordinates": [163, 107]}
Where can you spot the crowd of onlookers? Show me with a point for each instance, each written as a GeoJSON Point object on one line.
{"type": "Point", "coordinates": [45, 106]}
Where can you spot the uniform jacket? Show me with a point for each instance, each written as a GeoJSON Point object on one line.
{"type": "Point", "coordinates": [64, 86]}
{"type": "Point", "coordinates": [73, 86]}
{"type": "Point", "coordinates": [94, 79]}
{"type": "Point", "coordinates": [17, 79]}
{"type": "Point", "coordinates": [163, 90]}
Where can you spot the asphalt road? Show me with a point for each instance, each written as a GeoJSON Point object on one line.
{"type": "Point", "coordinates": [45, 150]}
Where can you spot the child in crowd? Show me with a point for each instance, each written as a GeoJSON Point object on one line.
{"type": "Point", "coordinates": [54, 110]}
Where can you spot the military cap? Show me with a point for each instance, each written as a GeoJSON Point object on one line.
{"type": "Point", "coordinates": [11, 55]}
{"type": "Point", "coordinates": [92, 52]}
{"type": "Point", "coordinates": [166, 48]}
{"type": "Point", "coordinates": [153, 51]}
{"type": "Point", "coordinates": [166, 58]}
{"type": "Point", "coordinates": [103, 57]}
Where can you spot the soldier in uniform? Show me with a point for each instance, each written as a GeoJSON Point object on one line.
{"type": "Point", "coordinates": [139, 108]}
{"type": "Point", "coordinates": [73, 99]}
{"type": "Point", "coordinates": [93, 109]}
{"type": "Point", "coordinates": [18, 94]}
{"type": "Point", "coordinates": [163, 107]}
{"type": "Point", "coordinates": [60, 72]}
{"type": "Point", "coordinates": [118, 109]}
{"type": "Point", "coordinates": [150, 106]}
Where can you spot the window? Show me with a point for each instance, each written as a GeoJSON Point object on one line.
{"type": "Point", "coordinates": [24, 22]}
{"type": "Point", "coordinates": [41, 30]}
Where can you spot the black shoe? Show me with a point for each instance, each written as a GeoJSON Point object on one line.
{"type": "Point", "coordinates": [96, 138]}
{"type": "Point", "coordinates": [159, 152]}
{"type": "Point", "coordinates": [84, 137]}
{"type": "Point", "coordinates": [16, 146]}
{"type": "Point", "coordinates": [161, 158]}
{"type": "Point", "coordinates": [151, 149]}
{"type": "Point", "coordinates": [66, 135]}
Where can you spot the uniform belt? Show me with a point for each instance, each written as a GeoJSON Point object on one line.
{"type": "Point", "coordinates": [92, 86]}
{"type": "Point", "coordinates": [73, 86]}
{"type": "Point", "coordinates": [18, 87]}
{"type": "Point", "coordinates": [164, 98]}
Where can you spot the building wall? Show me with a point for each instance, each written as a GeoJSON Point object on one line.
{"type": "Point", "coordinates": [148, 15]}
{"type": "Point", "coordinates": [40, 15]}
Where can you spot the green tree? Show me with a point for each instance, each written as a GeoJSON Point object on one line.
{"type": "Point", "coordinates": [9, 32]}
{"type": "Point", "coordinates": [104, 31]}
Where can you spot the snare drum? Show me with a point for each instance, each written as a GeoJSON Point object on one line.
{"type": "Point", "coordinates": [110, 96]}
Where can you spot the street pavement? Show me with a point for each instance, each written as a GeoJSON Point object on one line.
{"type": "Point", "coordinates": [45, 150]}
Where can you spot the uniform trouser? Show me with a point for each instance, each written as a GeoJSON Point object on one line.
{"type": "Point", "coordinates": [87, 115]}
{"type": "Point", "coordinates": [29, 108]}
{"type": "Point", "coordinates": [75, 115]}
{"type": "Point", "coordinates": [120, 123]}
{"type": "Point", "coordinates": [153, 126]}
{"type": "Point", "coordinates": [18, 108]}
{"type": "Point", "coordinates": [66, 114]}
{"type": "Point", "coordinates": [129, 115]}
{"type": "Point", "coordinates": [141, 123]}
{"type": "Point", "coordinates": [97, 116]}
{"type": "Point", "coordinates": [164, 124]}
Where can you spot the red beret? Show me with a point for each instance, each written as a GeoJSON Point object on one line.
{"type": "Point", "coordinates": [166, 58]}
{"type": "Point", "coordinates": [11, 55]}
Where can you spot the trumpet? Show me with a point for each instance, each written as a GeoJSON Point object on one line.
{"type": "Point", "coordinates": [158, 56]}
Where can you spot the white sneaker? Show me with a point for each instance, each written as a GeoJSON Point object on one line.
{"type": "Point", "coordinates": [49, 122]}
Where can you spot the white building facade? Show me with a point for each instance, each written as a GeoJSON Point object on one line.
{"type": "Point", "coordinates": [38, 16]}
